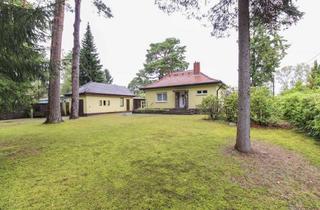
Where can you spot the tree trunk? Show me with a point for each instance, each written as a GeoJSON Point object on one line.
{"type": "Point", "coordinates": [54, 115]}
{"type": "Point", "coordinates": [243, 126]}
{"type": "Point", "coordinates": [75, 62]}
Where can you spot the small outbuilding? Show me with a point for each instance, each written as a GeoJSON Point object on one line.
{"type": "Point", "coordinates": [101, 98]}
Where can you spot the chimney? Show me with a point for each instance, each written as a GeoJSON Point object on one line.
{"type": "Point", "coordinates": [196, 68]}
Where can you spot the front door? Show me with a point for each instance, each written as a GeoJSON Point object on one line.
{"type": "Point", "coordinates": [182, 101]}
{"type": "Point", "coordinates": [81, 110]}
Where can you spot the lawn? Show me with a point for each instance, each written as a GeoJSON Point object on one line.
{"type": "Point", "coordinates": [154, 162]}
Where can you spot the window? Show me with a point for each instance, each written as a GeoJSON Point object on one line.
{"type": "Point", "coordinates": [162, 97]}
{"type": "Point", "coordinates": [121, 102]}
{"type": "Point", "coordinates": [108, 102]}
{"type": "Point", "coordinates": [100, 103]}
{"type": "Point", "coordinates": [104, 103]}
{"type": "Point", "coordinates": [202, 92]}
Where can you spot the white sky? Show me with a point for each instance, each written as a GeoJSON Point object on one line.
{"type": "Point", "coordinates": [123, 40]}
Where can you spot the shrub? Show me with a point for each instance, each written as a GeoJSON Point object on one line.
{"type": "Point", "coordinates": [262, 106]}
{"type": "Point", "coordinates": [230, 107]}
{"type": "Point", "coordinates": [211, 106]}
{"type": "Point", "coordinates": [302, 109]}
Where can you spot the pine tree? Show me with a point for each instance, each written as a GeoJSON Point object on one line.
{"type": "Point", "coordinates": [108, 77]}
{"type": "Point", "coordinates": [90, 67]}
{"type": "Point", "coordinates": [314, 76]}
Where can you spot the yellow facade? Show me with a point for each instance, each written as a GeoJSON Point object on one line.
{"type": "Point", "coordinates": [194, 98]}
{"type": "Point", "coordinates": [95, 104]}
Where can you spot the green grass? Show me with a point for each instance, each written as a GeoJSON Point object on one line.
{"type": "Point", "coordinates": [133, 162]}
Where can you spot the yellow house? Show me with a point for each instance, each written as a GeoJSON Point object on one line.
{"type": "Point", "coordinates": [182, 90]}
{"type": "Point", "coordinates": [100, 98]}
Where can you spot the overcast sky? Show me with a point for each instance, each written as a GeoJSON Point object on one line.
{"type": "Point", "coordinates": [123, 40]}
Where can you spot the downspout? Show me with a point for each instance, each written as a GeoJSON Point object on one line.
{"type": "Point", "coordinates": [220, 86]}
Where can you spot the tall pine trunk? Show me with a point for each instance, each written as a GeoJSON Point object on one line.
{"type": "Point", "coordinates": [54, 115]}
{"type": "Point", "coordinates": [243, 126]}
{"type": "Point", "coordinates": [75, 62]}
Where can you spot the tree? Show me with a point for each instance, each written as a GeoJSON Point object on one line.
{"type": "Point", "coordinates": [222, 16]}
{"type": "Point", "coordinates": [266, 52]}
{"type": "Point", "coordinates": [54, 112]}
{"type": "Point", "coordinates": [102, 8]}
{"type": "Point", "coordinates": [23, 68]}
{"type": "Point", "coordinates": [165, 57]}
{"type": "Point", "coordinates": [66, 73]}
{"type": "Point", "coordinates": [162, 58]}
{"type": "Point", "coordinates": [314, 76]}
{"type": "Point", "coordinates": [290, 76]}
{"type": "Point", "coordinates": [140, 80]}
{"type": "Point", "coordinates": [75, 62]}
{"type": "Point", "coordinates": [90, 67]}
{"type": "Point", "coordinates": [22, 28]}
{"type": "Point", "coordinates": [108, 77]}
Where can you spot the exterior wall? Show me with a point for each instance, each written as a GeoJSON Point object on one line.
{"type": "Point", "coordinates": [91, 104]}
{"type": "Point", "coordinates": [194, 99]}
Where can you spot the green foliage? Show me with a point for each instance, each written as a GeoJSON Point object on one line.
{"type": "Point", "coordinates": [165, 57]}
{"type": "Point", "coordinates": [21, 30]}
{"type": "Point", "coordinates": [266, 52]}
{"type": "Point", "coordinates": [230, 104]}
{"type": "Point", "coordinates": [162, 58]}
{"type": "Point", "coordinates": [211, 106]}
{"type": "Point", "coordinates": [314, 76]}
{"type": "Point", "coordinates": [103, 8]}
{"type": "Point", "coordinates": [222, 15]}
{"type": "Point", "coordinates": [262, 105]}
{"type": "Point", "coordinates": [108, 77]}
{"type": "Point", "coordinates": [140, 80]}
{"type": "Point", "coordinates": [302, 109]}
{"type": "Point", "coordinates": [90, 67]}
{"type": "Point", "coordinates": [14, 95]}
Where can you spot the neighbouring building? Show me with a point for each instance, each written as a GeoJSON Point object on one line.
{"type": "Point", "coordinates": [40, 109]}
{"type": "Point", "coordinates": [182, 90]}
{"type": "Point", "coordinates": [101, 98]}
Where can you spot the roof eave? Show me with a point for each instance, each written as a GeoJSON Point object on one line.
{"type": "Point", "coordinates": [182, 85]}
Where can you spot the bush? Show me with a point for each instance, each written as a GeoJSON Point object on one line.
{"type": "Point", "coordinates": [230, 107]}
{"type": "Point", "coordinates": [262, 106]}
{"type": "Point", "coordinates": [211, 106]}
{"type": "Point", "coordinates": [302, 109]}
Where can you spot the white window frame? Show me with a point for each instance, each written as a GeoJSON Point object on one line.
{"type": "Point", "coordinates": [202, 93]}
{"type": "Point", "coordinates": [162, 100]}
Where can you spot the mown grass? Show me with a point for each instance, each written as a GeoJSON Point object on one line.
{"type": "Point", "coordinates": [134, 162]}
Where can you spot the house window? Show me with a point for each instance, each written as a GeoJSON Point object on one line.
{"type": "Point", "coordinates": [162, 97]}
{"type": "Point", "coordinates": [104, 103]}
{"type": "Point", "coordinates": [100, 103]}
{"type": "Point", "coordinates": [202, 92]}
{"type": "Point", "coordinates": [108, 102]}
{"type": "Point", "coordinates": [121, 102]}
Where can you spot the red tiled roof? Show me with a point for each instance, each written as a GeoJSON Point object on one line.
{"type": "Point", "coordinates": [183, 78]}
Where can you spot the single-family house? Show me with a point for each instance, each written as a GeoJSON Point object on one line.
{"type": "Point", "coordinates": [182, 90]}
{"type": "Point", "coordinates": [101, 98]}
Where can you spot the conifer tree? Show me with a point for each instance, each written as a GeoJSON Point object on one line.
{"type": "Point", "coordinates": [90, 66]}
